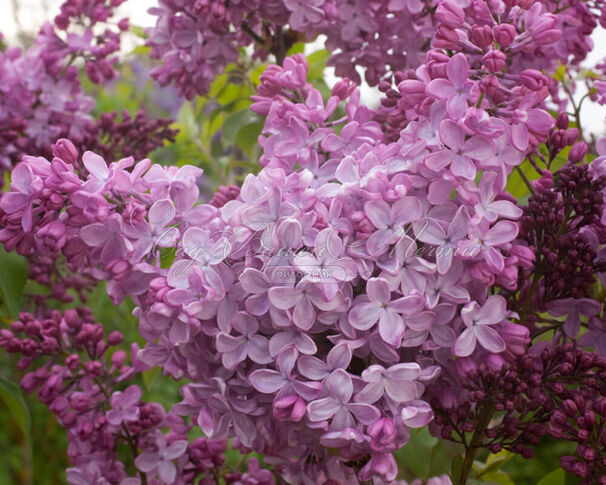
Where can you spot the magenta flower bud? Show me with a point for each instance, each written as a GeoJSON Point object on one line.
{"type": "Point", "coordinates": [532, 79]}
{"type": "Point", "coordinates": [49, 345]}
{"type": "Point", "coordinates": [290, 407]}
{"type": "Point", "coordinates": [446, 38]}
{"type": "Point", "coordinates": [115, 338]}
{"type": "Point", "coordinates": [33, 328]}
{"type": "Point", "coordinates": [577, 152]}
{"type": "Point", "coordinates": [571, 135]}
{"type": "Point", "coordinates": [72, 319]}
{"type": "Point", "coordinates": [436, 63]}
{"type": "Point", "coordinates": [600, 406]}
{"type": "Point", "coordinates": [72, 361]}
{"type": "Point", "coordinates": [558, 418]}
{"type": "Point", "coordinates": [383, 434]}
{"type": "Point", "coordinates": [65, 150]}
{"type": "Point", "coordinates": [119, 358]}
{"type": "Point", "coordinates": [524, 254]}
{"type": "Point", "coordinates": [481, 36]}
{"type": "Point", "coordinates": [504, 34]}
{"type": "Point", "coordinates": [542, 30]}
{"type": "Point", "coordinates": [558, 139]}
{"type": "Point", "coordinates": [494, 61]}
{"type": "Point", "coordinates": [570, 408]}
{"type": "Point", "coordinates": [562, 121]}
{"type": "Point", "coordinates": [491, 86]}
{"type": "Point", "coordinates": [343, 89]}
{"type": "Point", "coordinates": [124, 24]}
{"type": "Point", "coordinates": [412, 91]}
{"type": "Point", "coordinates": [119, 268]}
{"type": "Point", "coordinates": [450, 14]}
{"type": "Point", "coordinates": [93, 368]}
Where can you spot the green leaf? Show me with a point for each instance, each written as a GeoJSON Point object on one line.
{"type": "Point", "coordinates": [556, 477]}
{"type": "Point", "coordinates": [138, 31]}
{"type": "Point", "coordinates": [150, 377]}
{"type": "Point", "coordinates": [12, 396]}
{"type": "Point", "coordinates": [12, 281]}
{"type": "Point", "coordinates": [499, 477]}
{"type": "Point", "coordinates": [495, 462]}
{"type": "Point", "coordinates": [233, 124]}
{"type": "Point", "coordinates": [186, 122]}
{"type": "Point", "coordinates": [317, 64]}
{"type": "Point", "coordinates": [560, 72]}
{"type": "Point", "coordinates": [141, 50]}
{"type": "Point", "coordinates": [456, 468]}
{"type": "Point", "coordinates": [297, 48]}
{"type": "Point", "coordinates": [414, 455]}
{"type": "Point", "coordinates": [247, 139]}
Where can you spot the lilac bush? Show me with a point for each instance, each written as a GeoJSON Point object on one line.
{"type": "Point", "coordinates": [378, 273]}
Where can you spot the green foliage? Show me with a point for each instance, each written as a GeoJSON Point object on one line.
{"type": "Point", "coordinates": [425, 456]}
{"type": "Point", "coordinates": [12, 281]}
{"type": "Point", "coordinates": [11, 395]}
{"type": "Point", "coordinates": [218, 132]}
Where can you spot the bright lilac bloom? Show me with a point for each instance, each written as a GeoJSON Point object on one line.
{"type": "Point", "coordinates": [304, 12]}
{"type": "Point", "coordinates": [459, 154]}
{"type": "Point", "coordinates": [490, 209]}
{"type": "Point", "coordinates": [478, 320]}
{"type": "Point", "coordinates": [25, 188]}
{"type": "Point", "coordinates": [339, 389]}
{"type": "Point", "coordinates": [176, 183]}
{"type": "Point", "coordinates": [89, 475]}
{"type": "Point", "coordinates": [380, 465]}
{"type": "Point", "coordinates": [595, 336]}
{"type": "Point", "coordinates": [327, 268]}
{"type": "Point", "coordinates": [573, 309]}
{"type": "Point", "coordinates": [313, 110]}
{"type": "Point", "coordinates": [292, 337]}
{"type": "Point", "coordinates": [433, 231]}
{"type": "Point", "coordinates": [304, 298]}
{"type": "Point", "coordinates": [315, 369]}
{"type": "Point", "coordinates": [266, 216]}
{"type": "Point", "coordinates": [446, 287]}
{"type": "Point", "coordinates": [124, 406]}
{"type": "Point", "coordinates": [270, 381]}
{"type": "Point", "coordinates": [484, 241]}
{"type": "Point", "coordinates": [155, 233]}
{"type": "Point", "coordinates": [248, 344]}
{"type": "Point", "coordinates": [389, 222]}
{"type": "Point", "coordinates": [416, 414]}
{"type": "Point", "coordinates": [405, 268]}
{"type": "Point", "coordinates": [413, 6]}
{"type": "Point", "coordinates": [397, 382]}
{"type": "Point", "coordinates": [162, 460]}
{"type": "Point", "coordinates": [456, 89]}
{"type": "Point", "coordinates": [107, 238]}
{"type": "Point", "coordinates": [205, 252]}
{"type": "Point", "coordinates": [380, 307]}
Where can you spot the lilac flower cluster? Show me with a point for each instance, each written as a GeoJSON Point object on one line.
{"type": "Point", "coordinates": [77, 378]}
{"type": "Point", "coordinates": [41, 98]}
{"type": "Point", "coordinates": [196, 40]}
{"type": "Point", "coordinates": [328, 310]}
{"type": "Point", "coordinates": [374, 275]}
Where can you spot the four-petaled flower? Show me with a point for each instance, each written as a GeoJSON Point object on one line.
{"type": "Point", "coordinates": [479, 320]}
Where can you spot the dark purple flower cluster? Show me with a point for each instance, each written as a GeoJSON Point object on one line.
{"type": "Point", "coordinates": [555, 390]}
{"type": "Point", "coordinates": [115, 137]}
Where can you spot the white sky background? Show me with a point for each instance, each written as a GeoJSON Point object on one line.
{"type": "Point", "coordinates": [33, 13]}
